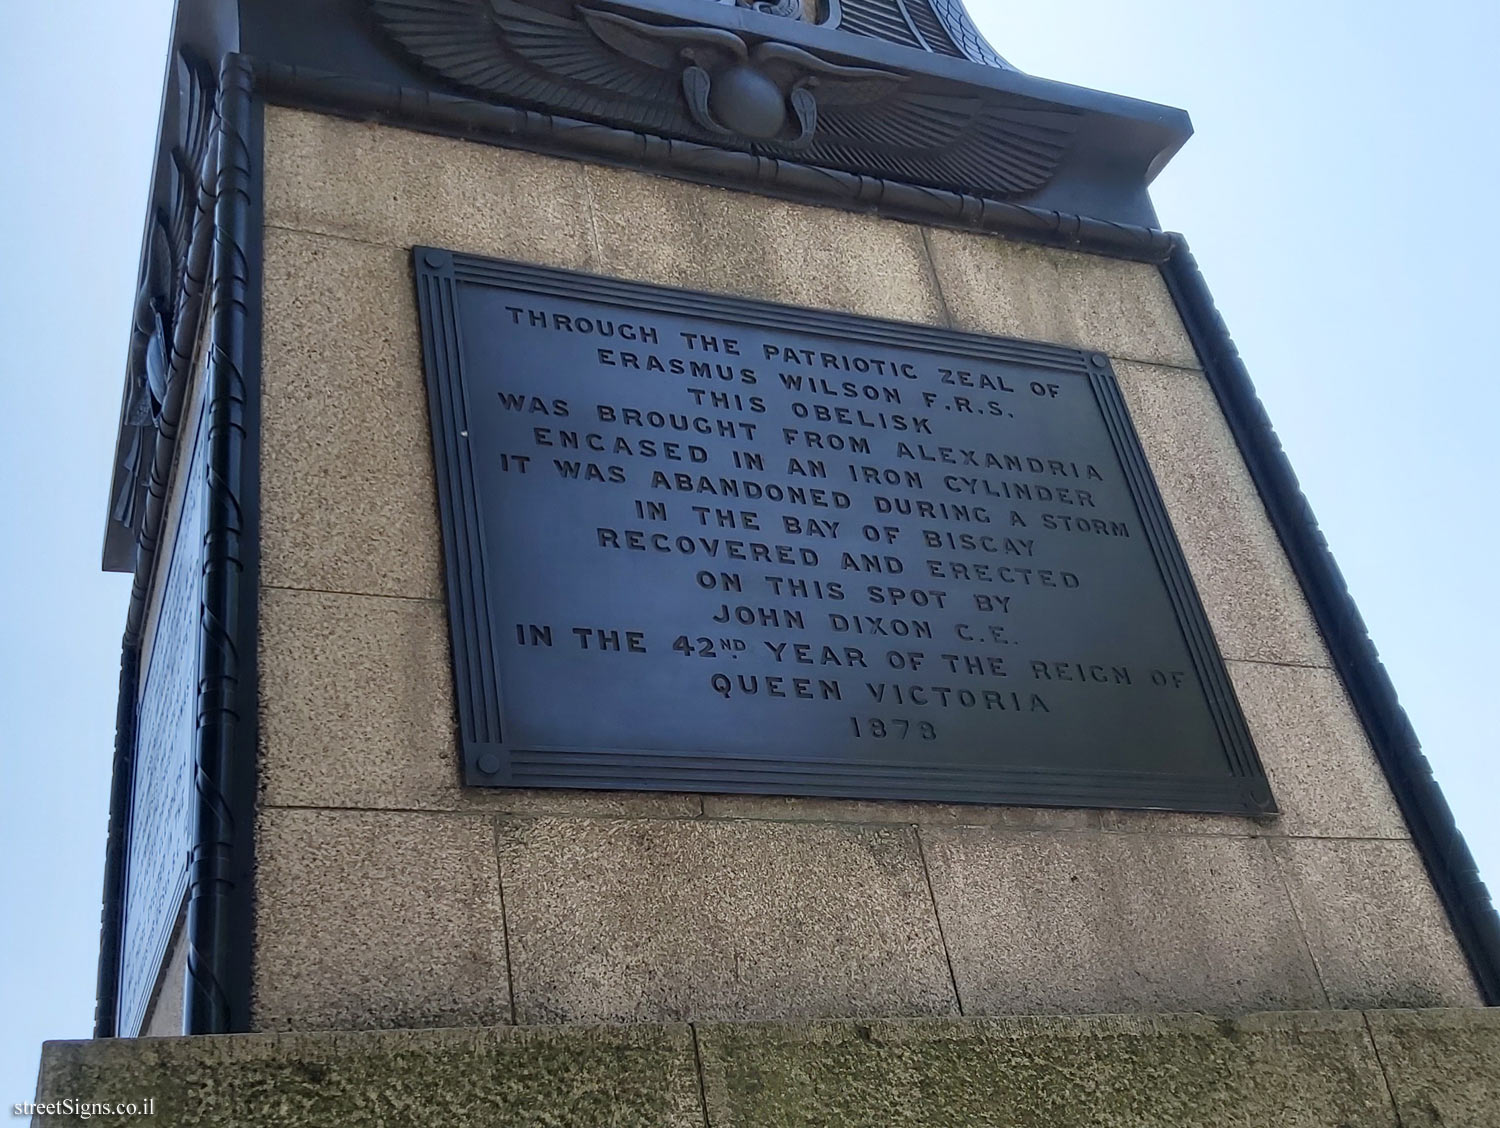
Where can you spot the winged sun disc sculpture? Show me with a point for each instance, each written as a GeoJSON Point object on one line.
{"type": "Point", "coordinates": [736, 88]}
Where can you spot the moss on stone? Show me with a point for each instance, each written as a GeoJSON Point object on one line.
{"type": "Point", "coordinates": [1289, 1070]}
{"type": "Point", "coordinates": [1443, 1066]}
{"type": "Point", "coordinates": [552, 1078]}
{"type": "Point", "coordinates": [1284, 1070]}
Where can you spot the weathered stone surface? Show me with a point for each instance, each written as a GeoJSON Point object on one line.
{"type": "Point", "coordinates": [795, 809]}
{"type": "Point", "coordinates": [994, 285]}
{"type": "Point", "coordinates": [652, 920]}
{"type": "Point", "coordinates": [1309, 1070]}
{"type": "Point", "coordinates": [577, 804]}
{"type": "Point", "coordinates": [1377, 932]}
{"type": "Point", "coordinates": [1299, 1070]}
{"type": "Point", "coordinates": [376, 919]}
{"type": "Point", "coordinates": [1254, 603]}
{"type": "Point", "coordinates": [164, 1019]}
{"type": "Point", "coordinates": [400, 188]}
{"type": "Point", "coordinates": [356, 702]}
{"type": "Point", "coordinates": [621, 1077]}
{"type": "Point", "coordinates": [348, 496]}
{"type": "Point", "coordinates": [1442, 1066]}
{"type": "Point", "coordinates": [1188, 822]}
{"type": "Point", "coordinates": [1099, 923]}
{"type": "Point", "coordinates": [1322, 769]}
{"type": "Point", "coordinates": [677, 234]}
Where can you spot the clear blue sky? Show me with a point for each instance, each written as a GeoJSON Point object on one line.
{"type": "Point", "coordinates": [1338, 196]}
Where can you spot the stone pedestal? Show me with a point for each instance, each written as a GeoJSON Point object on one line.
{"type": "Point", "coordinates": [378, 942]}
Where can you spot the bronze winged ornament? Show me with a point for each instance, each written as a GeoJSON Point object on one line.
{"type": "Point", "coordinates": [734, 91]}
{"type": "Point", "coordinates": [731, 88]}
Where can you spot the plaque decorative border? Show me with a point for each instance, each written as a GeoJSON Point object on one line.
{"type": "Point", "coordinates": [490, 761]}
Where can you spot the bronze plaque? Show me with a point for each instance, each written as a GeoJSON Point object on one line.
{"type": "Point", "coordinates": [710, 544]}
{"type": "Point", "coordinates": [163, 804]}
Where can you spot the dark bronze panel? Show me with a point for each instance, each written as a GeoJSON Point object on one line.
{"type": "Point", "coordinates": [162, 798]}
{"type": "Point", "coordinates": [702, 543]}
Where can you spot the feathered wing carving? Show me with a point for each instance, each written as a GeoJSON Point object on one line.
{"type": "Point", "coordinates": [972, 140]}
{"type": "Point", "coordinates": [608, 67]}
{"type": "Point", "coordinates": [835, 83]}
{"type": "Point", "coordinates": [665, 48]}
{"type": "Point", "coordinates": [964, 141]}
{"type": "Point", "coordinates": [456, 39]}
{"type": "Point", "coordinates": [501, 49]}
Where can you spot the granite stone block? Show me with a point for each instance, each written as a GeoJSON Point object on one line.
{"type": "Point", "coordinates": [1304, 1070]}
{"type": "Point", "coordinates": [356, 702]}
{"type": "Point", "coordinates": [1322, 769]}
{"type": "Point", "coordinates": [348, 494]}
{"type": "Point", "coordinates": [621, 1077]}
{"type": "Point", "coordinates": [1045, 922]}
{"type": "Point", "coordinates": [665, 231]}
{"type": "Point", "coordinates": [664, 920]}
{"type": "Point", "coordinates": [1442, 1066]}
{"type": "Point", "coordinates": [401, 188]}
{"type": "Point", "coordinates": [1375, 926]}
{"type": "Point", "coordinates": [1254, 603]}
{"type": "Point", "coordinates": [1012, 289]}
{"type": "Point", "coordinates": [164, 1017]}
{"type": "Point", "coordinates": [1300, 1070]}
{"type": "Point", "coordinates": [366, 919]}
